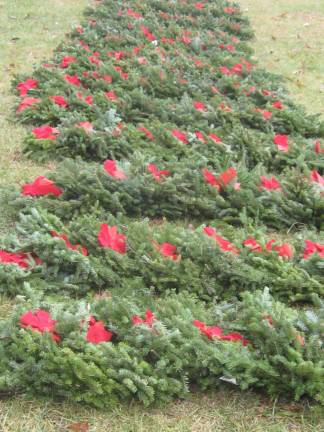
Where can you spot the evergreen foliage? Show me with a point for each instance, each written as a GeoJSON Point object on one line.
{"type": "Point", "coordinates": [284, 355]}
{"type": "Point", "coordinates": [198, 264]}
{"type": "Point", "coordinates": [184, 193]}
{"type": "Point", "coordinates": [157, 110]}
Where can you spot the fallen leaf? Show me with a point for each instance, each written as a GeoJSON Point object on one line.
{"type": "Point", "coordinates": [78, 427]}
{"type": "Point", "coordinates": [299, 84]}
{"type": "Point", "coordinates": [103, 295]}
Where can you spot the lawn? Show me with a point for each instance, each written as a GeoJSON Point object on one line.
{"type": "Point", "coordinates": [30, 30]}
{"type": "Point", "coordinates": [287, 42]}
{"type": "Point", "coordinates": [289, 37]}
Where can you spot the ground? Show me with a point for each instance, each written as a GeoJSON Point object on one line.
{"type": "Point", "coordinates": [288, 41]}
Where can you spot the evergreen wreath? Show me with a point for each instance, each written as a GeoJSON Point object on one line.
{"type": "Point", "coordinates": [153, 257]}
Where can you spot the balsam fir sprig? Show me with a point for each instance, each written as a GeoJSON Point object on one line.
{"type": "Point", "coordinates": [91, 254]}
{"type": "Point", "coordinates": [139, 188]}
{"type": "Point", "coordinates": [155, 358]}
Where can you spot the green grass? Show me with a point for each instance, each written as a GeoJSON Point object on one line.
{"type": "Point", "coordinates": [215, 412]}
{"type": "Point", "coordinates": [289, 41]}
{"type": "Point", "coordinates": [29, 30]}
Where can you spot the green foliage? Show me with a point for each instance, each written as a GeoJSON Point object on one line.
{"type": "Point", "coordinates": [159, 91]}
{"type": "Point", "coordinates": [183, 193]}
{"type": "Point", "coordinates": [158, 362]}
{"type": "Point", "coordinates": [201, 267]}
{"type": "Point", "coordinates": [139, 70]}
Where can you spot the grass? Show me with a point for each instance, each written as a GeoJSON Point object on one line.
{"type": "Point", "coordinates": [215, 412]}
{"type": "Point", "coordinates": [288, 41]}
{"type": "Point", "coordinates": [29, 31]}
